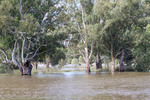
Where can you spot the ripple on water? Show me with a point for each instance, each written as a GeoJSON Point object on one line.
{"type": "Point", "coordinates": [77, 86]}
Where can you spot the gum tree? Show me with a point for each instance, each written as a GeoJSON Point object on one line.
{"type": "Point", "coordinates": [23, 28]}
{"type": "Point", "coordinates": [117, 36]}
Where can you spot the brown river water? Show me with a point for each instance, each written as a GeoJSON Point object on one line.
{"type": "Point", "coordinates": [76, 86]}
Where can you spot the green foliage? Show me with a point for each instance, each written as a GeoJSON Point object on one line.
{"type": "Point", "coordinates": [3, 68]}
{"type": "Point", "coordinates": [57, 56]}
{"type": "Point", "coordinates": [30, 25]}
{"type": "Point", "coordinates": [104, 9]}
{"type": "Point", "coordinates": [87, 5]}
{"type": "Point", "coordinates": [111, 26]}
{"type": "Point", "coordinates": [38, 23]}
{"type": "Point", "coordinates": [6, 68]}
{"type": "Point", "coordinates": [69, 61]}
{"type": "Point", "coordinates": [141, 50]}
{"type": "Point", "coordinates": [74, 61]}
{"type": "Point", "coordinates": [116, 61]}
{"type": "Point", "coordinates": [61, 63]}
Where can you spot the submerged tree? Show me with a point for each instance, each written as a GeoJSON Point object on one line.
{"type": "Point", "coordinates": [117, 35]}
{"type": "Point", "coordinates": [23, 28]}
{"type": "Point", "coordinates": [85, 30]}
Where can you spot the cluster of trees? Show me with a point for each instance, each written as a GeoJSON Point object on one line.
{"type": "Point", "coordinates": [35, 30]}
{"type": "Point", "coordinates": [114, 28]}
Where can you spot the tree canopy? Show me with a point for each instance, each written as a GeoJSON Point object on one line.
{"type": "Point", "coordinates": [39, 29]}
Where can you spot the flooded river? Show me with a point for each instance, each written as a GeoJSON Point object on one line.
{"type": "Point", "coordinates": [76, 86]}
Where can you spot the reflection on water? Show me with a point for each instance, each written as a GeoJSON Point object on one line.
{"type": "Point", "coordinates": [76, 86]}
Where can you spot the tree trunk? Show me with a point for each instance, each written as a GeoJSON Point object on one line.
{"type": "Point", "coordinates": [113, 60]}
{"type": "Point", "coordinates": [35, 64]}
{"type": "Point", "coordinates": [121, 65]}
{"type": "Point", "coordinates": [27, 68]}
{"type": "Point", "coordinates": [87, 60]}
{"type": "Point", "coordinates": [113, 65]}
{"type": "Point", "coordinates": [98, 61]}
{"type": "Point", "coordinates": [47, 64]}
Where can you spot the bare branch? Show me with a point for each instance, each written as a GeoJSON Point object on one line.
{"type": "Point", "coordinates": [83, 22]}
{"type": "Point", "coordinates": [3, 52]}
{"type": "Point", "coordinates": [20, 9]}
{"type": "Point", "coordinates": [28, 55]}
{"type": "Point", "coordinates": [14, 56]}
{"type": "Point", "coordinates": [11, 31]}
{"type": "Point", "coordinates": [45, 17]}
{"type": "Point", "coordinates": [118, 53]}
{"type": "Point", "coordinates": [18, 47]}
{"type": "Point", "coordinates": [35, 53]}
{"type": "Point", "coordinates": [22, 51]}
{"type": "Point", "coordinates": [22, 33]}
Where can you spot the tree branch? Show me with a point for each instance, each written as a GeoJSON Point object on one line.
{"type": "Point", "coordinates": [92, 46]}
{"type": "Point", "coordinates": [14, 56]}
{"type": "Point", "coordinates": [106, 48]}
{"type": "Point", "coordinates": [83, 22]}
{"type": "Point", "coordinates": [4, 53]}
{"type": "Point", "coordinates": [28, 55]}
{"type": "Point", "coordinates": [35, 53]}
{"type": "Point", "coordinates": [22, 51]}
{"type": "Point", "coordinates": [118, 53]}
{"type": "Point", "coordinates": [20, 9]}
{"type": "Point", "coordinates": [18, 47]}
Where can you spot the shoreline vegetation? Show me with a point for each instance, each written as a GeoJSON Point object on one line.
{"type": "Point", "coordinates": [114, 33]}
{"type": "Point", "coordinates": [56, 69]}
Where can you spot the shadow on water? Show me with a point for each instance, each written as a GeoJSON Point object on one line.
{"type": "Point", "coordinates": [76, 86]}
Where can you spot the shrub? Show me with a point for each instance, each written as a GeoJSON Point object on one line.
{"type": "Point", "coordinates": [81, 60]}
{"type": "Point", "coordinates": [69, 61]}
{"type": "Point", "coordinates": [61, 63]}
{"type": "Point", "coordinates": [74, 61]}
{"type": "Point", "coordinates": [4, 68]}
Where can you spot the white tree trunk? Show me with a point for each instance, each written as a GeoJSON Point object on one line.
{"type": "Point", "coordinates": [14, 56]}
{"type": "Point", "coordinates": [22, 53]}
{"type": "Point", "coordinates": [87, 60]}
{"type": "Point", "coordinates": [113, 65]}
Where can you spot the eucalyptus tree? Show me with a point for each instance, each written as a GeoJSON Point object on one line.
{"type": "Point", "coordinates": [116, 34]}
{"type": "Point", "coordinates": [102, 12]}
{"type": "Point", "coordinates": [85, 29]}
{"type": "Point", "coordinates": [141, 49]}
{"type": "Point", "coordinates": [23, 28]}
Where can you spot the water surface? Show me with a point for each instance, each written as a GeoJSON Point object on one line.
{"type": "Point", "coordinates": [76, 86]}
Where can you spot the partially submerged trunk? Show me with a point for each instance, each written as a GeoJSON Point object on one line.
{"type": "Point", "coordinates": [22, 62]}
{"type": "Point", "coordinates": [98, 61]}
{"type": "Point", "coordinates": [113, 60]}
{"type": "Point", "coordinates": [26, 68]}
{"type": "Point", "coordinates": [35, 64]}
{"type": "Point", "coordinates": [121, 65]}
{"type": "Point", "coordinates": [47, 64]}
{"type": "Point", "coordinates": [113, 65]}
{"type": "Point", "coordinates": [87, 60]}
